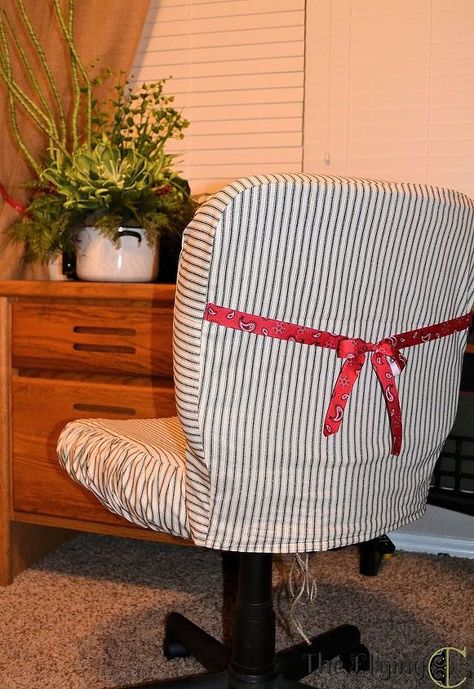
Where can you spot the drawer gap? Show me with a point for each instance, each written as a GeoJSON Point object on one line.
{"type": "Point", "coordinates": [93, 330]}
{"type": "Point", "coordinates": [117, 349]}
{"type": "Point", "coordinates": [104, 379]}
{"type": "Point", "coordinates": [104, 408]}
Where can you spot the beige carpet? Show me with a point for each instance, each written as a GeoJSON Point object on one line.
{"type": "Point", "coordinates": [91, 614]}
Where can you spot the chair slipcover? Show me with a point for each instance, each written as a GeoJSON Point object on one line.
{"type": "Point", "coordinates": [127, 464]}
{"type": "Point", "coordinates": [359, 258]}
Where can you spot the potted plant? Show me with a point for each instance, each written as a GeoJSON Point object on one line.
{"type": "Point", "coordinates": [105, 183]}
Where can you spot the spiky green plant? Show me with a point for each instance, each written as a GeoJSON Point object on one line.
{"type": "Point", "coordinates": [107, 167]}
{"type": "Point", "coordinates": [44, 108]}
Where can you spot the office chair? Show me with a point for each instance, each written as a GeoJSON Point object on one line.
{"type": "Point", "coordinates": [319, 330]}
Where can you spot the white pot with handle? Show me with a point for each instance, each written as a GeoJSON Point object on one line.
{"type": "Point", "coordinates": [129, 259]}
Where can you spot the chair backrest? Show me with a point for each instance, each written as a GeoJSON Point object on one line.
{"type": "Point", "coordinates": [358, 258]}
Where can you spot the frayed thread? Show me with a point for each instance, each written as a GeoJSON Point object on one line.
{"type": "Point", "coordinates": [303, 590]}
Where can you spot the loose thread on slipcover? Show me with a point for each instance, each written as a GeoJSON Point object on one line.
{"type": "Point", "coordinates": [303, 589]}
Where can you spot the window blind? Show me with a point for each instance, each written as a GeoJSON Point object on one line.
{"type": "Point", "coordinates": [237, 72]}
{"type": "Point", "coordinates": [389, 90]}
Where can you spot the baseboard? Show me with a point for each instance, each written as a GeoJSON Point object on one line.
{"type": "Point", "coordinates": [434, 544]}
{"type": "Point", "coordinates": [438, 531]}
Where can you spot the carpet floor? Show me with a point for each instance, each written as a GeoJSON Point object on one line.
{"type": "Point", "coordinates": [91, 614]}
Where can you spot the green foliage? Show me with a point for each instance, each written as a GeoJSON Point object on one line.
{"type": "Point", "coordinates": [111, 171]}
{"type": "Point", "coordinates": [44, 229]}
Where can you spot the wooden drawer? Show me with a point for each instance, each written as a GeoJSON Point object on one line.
{"type": "Point", "coordinates": [92, 338]}
{"type": "Point", "coordinates": [41, 407]}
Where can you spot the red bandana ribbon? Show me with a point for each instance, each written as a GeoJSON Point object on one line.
{"type": "Point", "coordinates": [10, 200]}
{"type": "Point", "coordinates": [385, 356]}
{"type": "Point", "coordinates": [354, 351]}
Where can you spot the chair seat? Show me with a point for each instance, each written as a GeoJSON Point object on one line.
{"type": "Point", "coordinates": [136, 468]}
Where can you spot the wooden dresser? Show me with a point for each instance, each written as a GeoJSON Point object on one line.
{"type": "Point", "coordinates": [72, 350]}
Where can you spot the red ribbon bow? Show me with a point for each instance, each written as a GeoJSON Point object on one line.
{"type": "Point", "coordinates": [385, 356]}
{"type": "Point", "coordinates": [382, 353]}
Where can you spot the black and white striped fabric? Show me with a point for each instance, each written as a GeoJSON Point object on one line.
{"type": "Point", "coordinates": [360, 258]}
{"type": "Point", "coordinates": [127, 464]}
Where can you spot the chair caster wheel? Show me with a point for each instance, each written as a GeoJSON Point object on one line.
{"type": "Point", "coordinates": [358, 660]}
{"type": "Point", "coordinates": [174, 648]}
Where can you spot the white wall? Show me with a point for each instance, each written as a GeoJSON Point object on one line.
{"type": "Point", "coordinates": [376, 88]}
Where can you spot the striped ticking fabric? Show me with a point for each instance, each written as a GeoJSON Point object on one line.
{"type": "Point", "coordinates": [127, 464]}
{"type": "Point", "coordinates": [362, 258]}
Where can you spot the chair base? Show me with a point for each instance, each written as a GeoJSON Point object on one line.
{"type": "Point", "coordinates": [251, 662]}
{"type": "Point", "coordinates": [220, 680]}
{"type": "Point", "coordinates": [183, 639]}
{"type": "Point", "coordinates": [372, 554]}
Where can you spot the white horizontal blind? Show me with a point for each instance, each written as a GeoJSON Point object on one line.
{"type": "Point", "coordinates": [238, 76]}
{"type": "Point", "coordinates": [451, 124]}
{"type": "Point", "coordinates": [389, 90]}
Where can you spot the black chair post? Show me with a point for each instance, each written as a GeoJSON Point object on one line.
{"type": "Point", "coordinates": [253, 645]}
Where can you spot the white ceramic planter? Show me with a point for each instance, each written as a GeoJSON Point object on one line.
{"type": "Point", "coordinates": [131, 260]}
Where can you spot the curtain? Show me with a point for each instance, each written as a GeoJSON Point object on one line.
{"type": "Point", "coordinates": [105, 31]}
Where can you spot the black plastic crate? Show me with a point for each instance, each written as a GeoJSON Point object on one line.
{"type": "Point", "coordinates": [452, 485]}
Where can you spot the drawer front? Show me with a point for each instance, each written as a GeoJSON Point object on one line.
{"type": "Point", "coordinates": [91, 338]}
{"type": "Point", "coordinates": [40, 410]}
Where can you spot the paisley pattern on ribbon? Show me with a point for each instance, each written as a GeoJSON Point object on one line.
{"type": "Point", "coordinates": [385, 356]}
